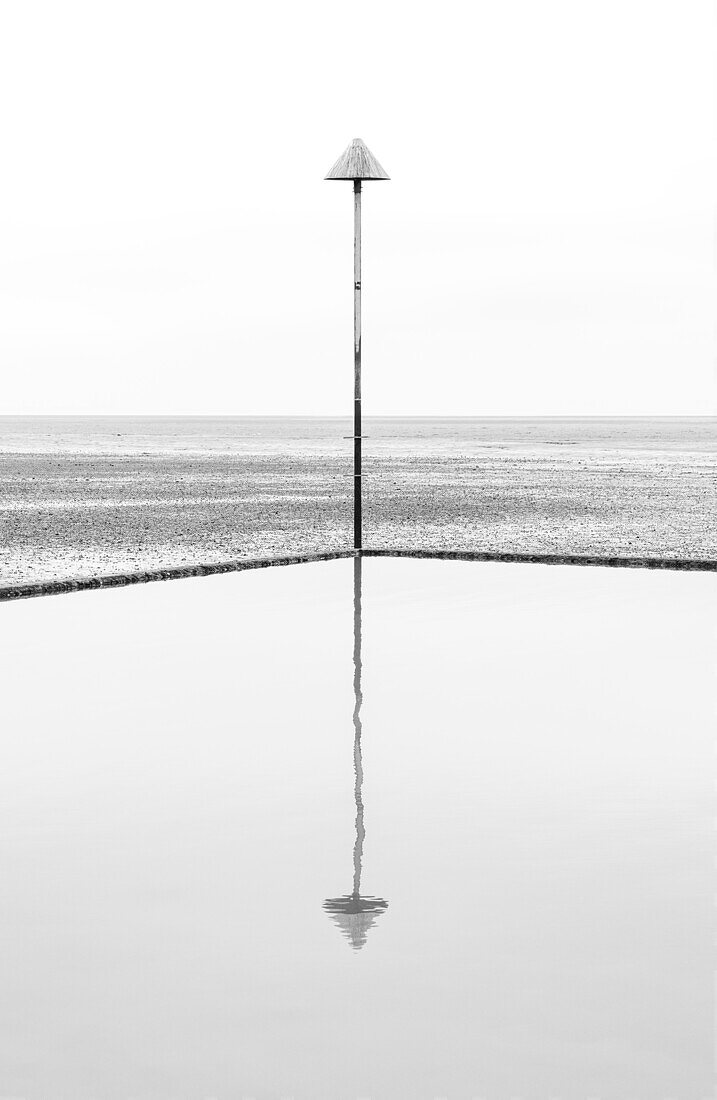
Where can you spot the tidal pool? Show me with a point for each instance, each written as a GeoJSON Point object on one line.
{"type": "Point", "coordinates": [402, 831]}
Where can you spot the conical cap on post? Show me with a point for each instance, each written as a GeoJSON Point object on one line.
{"type": "Point", "coordinates": [357, 162]}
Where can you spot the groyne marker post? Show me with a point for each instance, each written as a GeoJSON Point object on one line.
{"type": "Point", "coordinates": [357, 163]}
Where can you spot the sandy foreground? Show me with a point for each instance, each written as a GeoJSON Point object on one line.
{"type": "Point", "coordinates": [77, 515]}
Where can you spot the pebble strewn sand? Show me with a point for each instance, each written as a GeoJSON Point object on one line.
{"type": "Point", "coordinates": [74, 515]}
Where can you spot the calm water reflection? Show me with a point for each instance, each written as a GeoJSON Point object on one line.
{"type": "Point", "coordinates": [528, 777]}
{"type": "Point", "coordinates": [354, 913]}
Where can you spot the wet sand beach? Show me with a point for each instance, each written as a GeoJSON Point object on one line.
{"type": "Point", "coordinates": [98, 496]}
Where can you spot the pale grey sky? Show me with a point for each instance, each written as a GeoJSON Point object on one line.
{"type": "Point", "coordinates": [168, 244]}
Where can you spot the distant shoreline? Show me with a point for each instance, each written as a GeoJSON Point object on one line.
{"type": "Point", "coordinates": [346, 416]}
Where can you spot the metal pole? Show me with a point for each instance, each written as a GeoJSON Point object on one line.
{"type": "Point", "coordinates": [357, 366]}
{"type": "Point", "coordinates": [357, 163]}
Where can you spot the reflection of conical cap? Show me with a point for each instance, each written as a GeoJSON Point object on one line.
{"type": "Point", "coordinates": [357, 163]}
{"type": "Point", "coordinates": [354, 915]}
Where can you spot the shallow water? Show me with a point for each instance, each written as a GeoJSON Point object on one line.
{"type": "Point", "coordinates": [301, 436]}
{"type": "Point", "coordinates": [529, 753]}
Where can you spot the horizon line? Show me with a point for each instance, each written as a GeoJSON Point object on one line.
{"type": "Point", "coordinates": [369, 416]}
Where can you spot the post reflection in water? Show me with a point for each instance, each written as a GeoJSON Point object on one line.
{"type": "Point", "coordinates": [353, 913]}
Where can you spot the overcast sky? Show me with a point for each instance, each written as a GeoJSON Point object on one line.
{"type": "Point", "coordinates": [545, 245]}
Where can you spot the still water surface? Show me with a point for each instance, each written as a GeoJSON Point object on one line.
{"type": "Point", "coordinates": [303, 436]}
{"type": "Point", "coordinates": [247, 852]}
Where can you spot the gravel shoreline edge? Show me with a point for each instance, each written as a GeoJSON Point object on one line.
{"type": "Point", "coordinates": [703, 565]}
{"type": "Point", "coordinates": [121, 580]}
